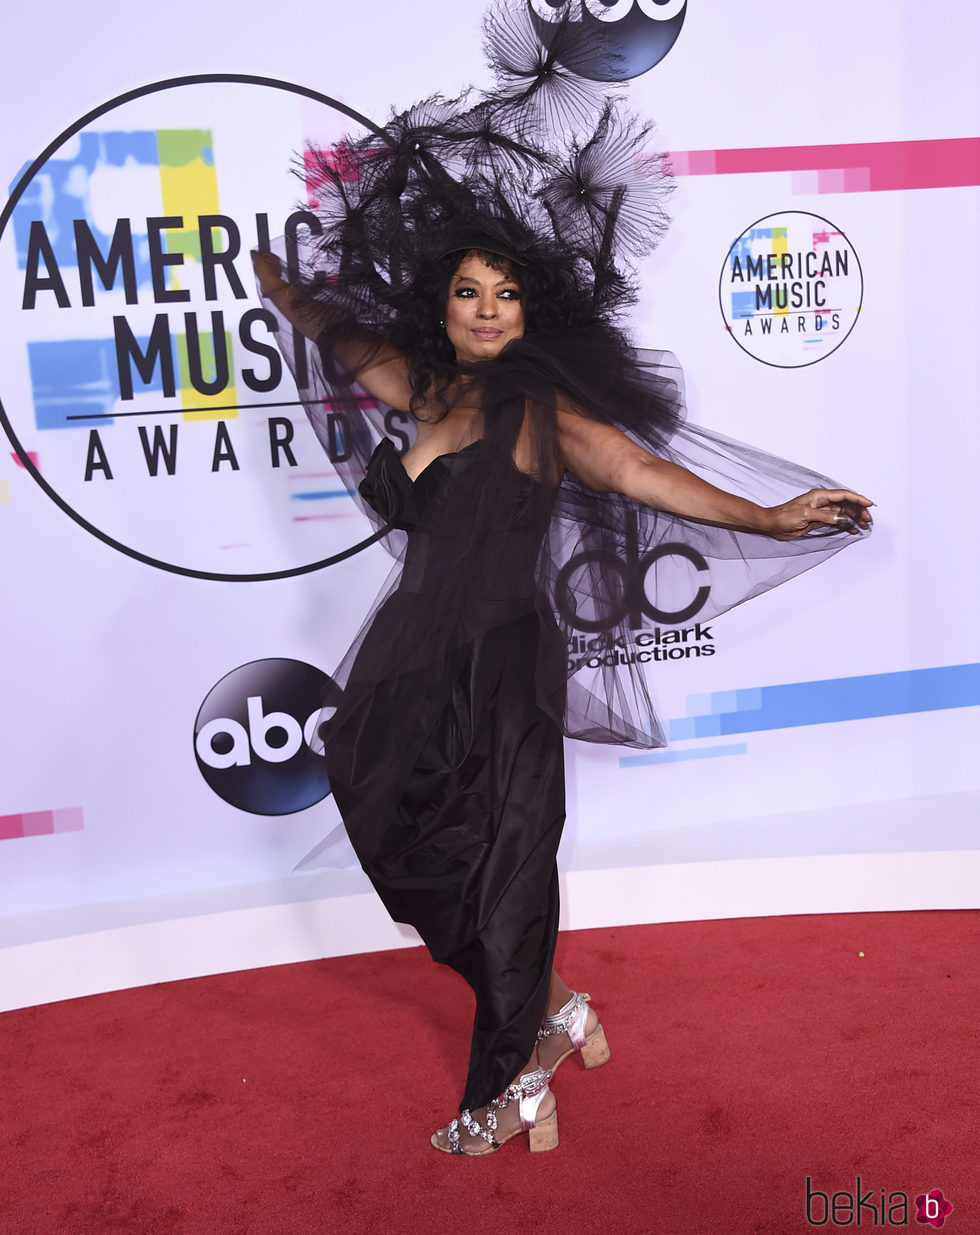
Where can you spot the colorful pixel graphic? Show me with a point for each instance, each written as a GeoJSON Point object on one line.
{"type": "Point", "coordinates": [860, 167]}
{"type": "Point", "coordinates": [73, 376]}
{"type": "Point", "coordinates": [819, 703]}
{"type": "Point", "coordinates": [812, 703]}
{"type": "Point", "coordinates": [41, 823]}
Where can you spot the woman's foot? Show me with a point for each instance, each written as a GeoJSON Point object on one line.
{"type": "Point", "coordinates": [527, 1105]}
{"type": "Point", "coordinates": [574, 1027]}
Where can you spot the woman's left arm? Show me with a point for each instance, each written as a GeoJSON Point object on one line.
{"type": "Point", "coordinates": [608, 461]}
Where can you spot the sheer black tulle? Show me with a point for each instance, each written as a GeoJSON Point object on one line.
{"type": "Point", "coordinates": [516, 593]}
{"type": "Point", "coordinates": [591, 548]}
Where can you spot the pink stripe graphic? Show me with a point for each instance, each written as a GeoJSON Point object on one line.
{"type": "Point", "coordinates": [41, 823]}
{"type": "Point", "coordinates": [864, 167]}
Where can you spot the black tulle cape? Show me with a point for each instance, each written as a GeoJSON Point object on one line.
{"type": "Point", "coordinates": [606, 566]}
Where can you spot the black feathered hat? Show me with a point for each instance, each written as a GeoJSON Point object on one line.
{"type": "Point", "coordinates": [548, 169]}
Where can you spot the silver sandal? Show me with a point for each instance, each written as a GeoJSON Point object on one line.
{"type": "Point", "coordinates": [571, 1020]}
{"type": "Point", "coordinates": [529, 1091]}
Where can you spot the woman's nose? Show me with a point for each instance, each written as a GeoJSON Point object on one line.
{"type": "Point", "coordinates": [487, 308]}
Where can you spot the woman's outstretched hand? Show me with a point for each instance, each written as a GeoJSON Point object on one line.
{"type": "Point", "coordinates": [839, 508]}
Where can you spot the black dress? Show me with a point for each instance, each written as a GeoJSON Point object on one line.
{"type": "Point", "coordinates": [510, 619]}
{"type": "Point", "coordinates": [448, 774]}
{"type": "Point", "coordinates": [513, 610]}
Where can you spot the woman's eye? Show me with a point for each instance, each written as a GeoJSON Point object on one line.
{"type": "Point", "coordinates": [511, 293]}
{"type": "Point", "coordinates": [462, 292]}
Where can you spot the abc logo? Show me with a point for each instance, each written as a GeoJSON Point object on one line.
{"type": "Point", "coordinates": [635, 34]}
{"type": "Point", "coordinates": [258, 738]}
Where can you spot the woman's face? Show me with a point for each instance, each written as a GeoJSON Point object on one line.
{"type": "Point", "coordinates": [483, 309]}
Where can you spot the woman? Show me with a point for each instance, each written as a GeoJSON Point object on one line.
{"type": "Point", "coordinates": [434, 830]}
{"type": "Point", "coordinates": [540, 444]}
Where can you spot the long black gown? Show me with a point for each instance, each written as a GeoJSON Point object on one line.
{"type": "Point", "coordinates": [448, 774]}
{"type": "Point", "coordinates": [512, 616]}
{"type": "Point", "coordinates": [445, 753]}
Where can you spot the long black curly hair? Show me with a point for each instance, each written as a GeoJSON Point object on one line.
{"type": "Point", "coordinates": [555, 304]}
{"type": "Point", "coordinates": [548, 177]}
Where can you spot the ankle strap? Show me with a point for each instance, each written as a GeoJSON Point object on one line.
{"type": "Point", "coordinates": [560, 1021]}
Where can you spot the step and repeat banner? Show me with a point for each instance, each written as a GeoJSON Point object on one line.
{"type": "Point", "coordinates": [182, 568]}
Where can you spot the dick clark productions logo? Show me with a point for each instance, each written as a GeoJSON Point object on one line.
{"type": "Point", "coordinates": [258, 736]}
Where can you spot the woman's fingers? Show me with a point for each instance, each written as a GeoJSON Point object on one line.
{"type": "Point", "coordinates": [835, 515]}
{"type": "Point", "coordinates": [838, 508]}
{"type": "Point", "coordinates": [847, 509]}
{"type": "Point", "coordinates": [843, 495]}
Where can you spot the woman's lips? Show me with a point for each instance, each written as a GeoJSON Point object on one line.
{"type": "Point", "coordinates": [487, 332]}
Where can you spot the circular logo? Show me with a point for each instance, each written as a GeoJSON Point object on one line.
{"type": "Point", "coordinates": [143, 386]}
{"type": "Point", "coordinates": [791, 289]}
{"type": "Point", "coordinates": [258, 740]}
{"type": "Point", "coordinates": [615, 40]}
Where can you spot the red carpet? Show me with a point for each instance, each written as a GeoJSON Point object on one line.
{"type": "Point", "coordinates": [747, 1057]}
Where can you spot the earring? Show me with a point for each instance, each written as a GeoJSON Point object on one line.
{"type": "Point", "coordinates": [442, 321]}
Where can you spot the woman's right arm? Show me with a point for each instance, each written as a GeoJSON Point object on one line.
{"type": "Point", "coordinates": [379, 368]}
{"type": "Point", "coordinates": [605, 459]}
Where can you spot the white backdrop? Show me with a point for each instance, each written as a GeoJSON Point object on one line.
{"type": "Point", "coordinates": [824, 752]}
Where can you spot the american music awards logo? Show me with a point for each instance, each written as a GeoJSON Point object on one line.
{"type": "Point", "coordinates": [143, 388]}
{"type": "Point", "coordinates": [791, 289]}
